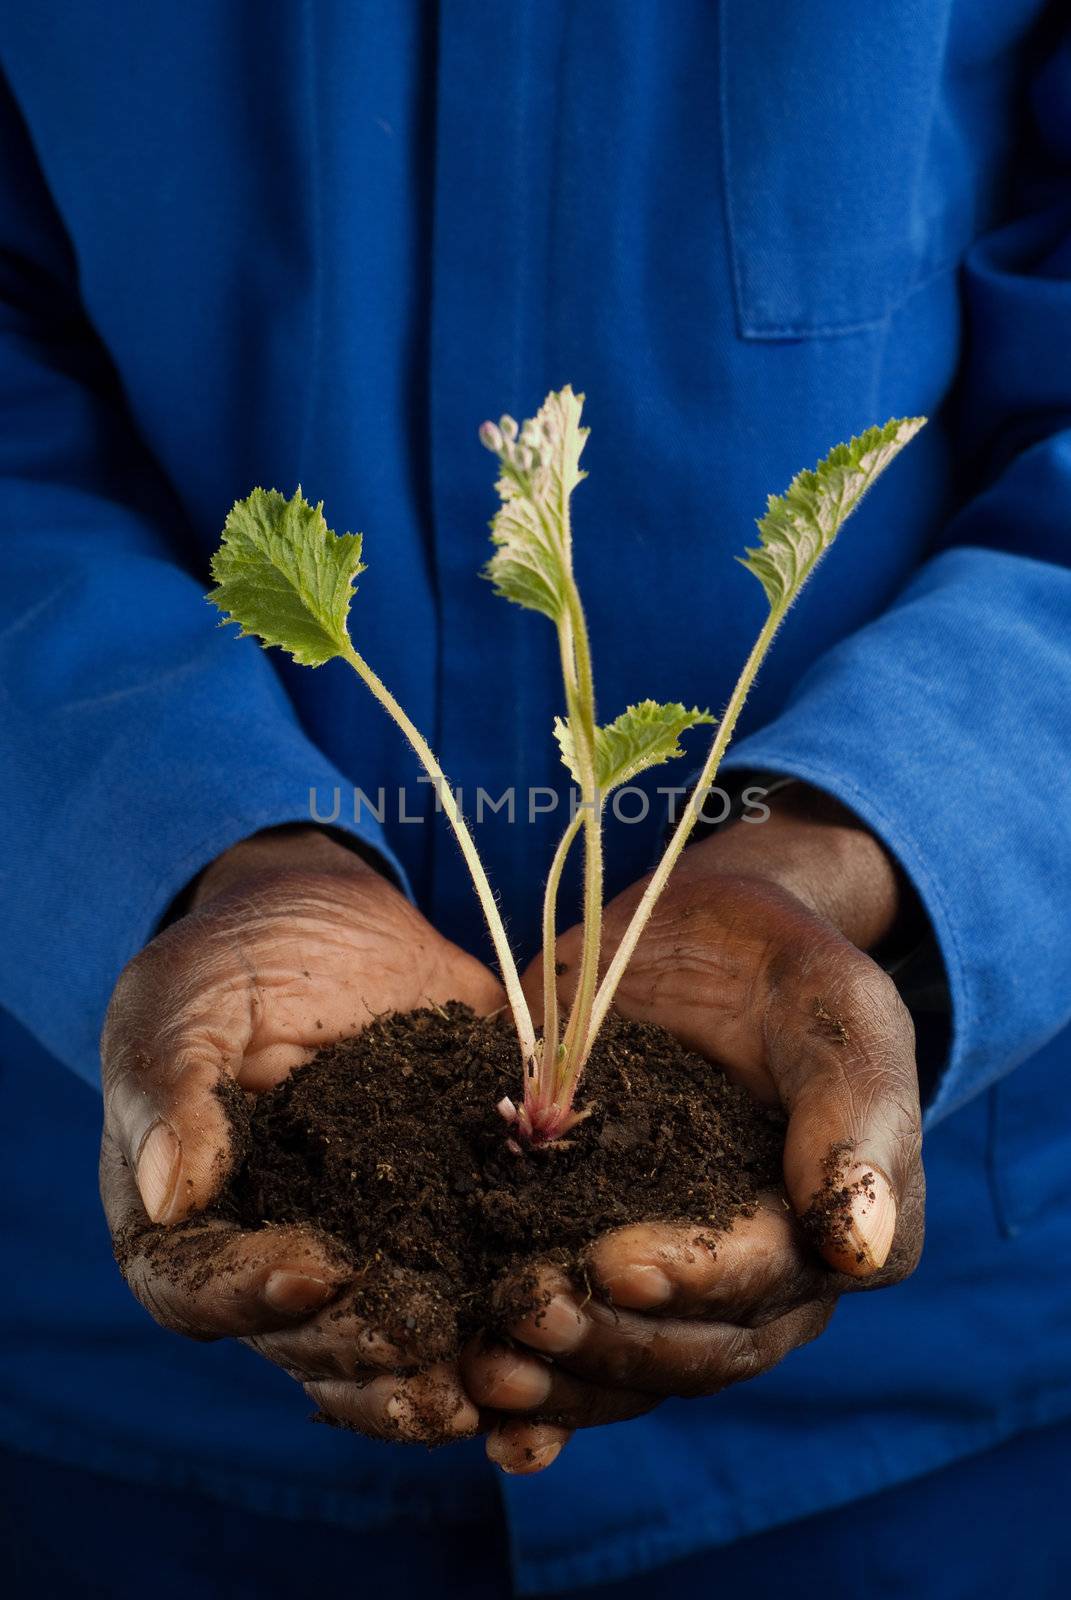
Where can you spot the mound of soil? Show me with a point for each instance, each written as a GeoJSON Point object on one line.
{"type": "Point", "coordinates": [391, 1142]}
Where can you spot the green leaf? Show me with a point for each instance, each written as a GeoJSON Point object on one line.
{"type": "Point", "coordinates": [800, 525]}
{"type": "Point", "coordinates": [540, 468]}
{"type": "Point", "coordinates": [283, 576]}
{"type": "Point", "coordinates": [643, 736]}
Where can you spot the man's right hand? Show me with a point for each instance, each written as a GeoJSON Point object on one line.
{"type": "Point", "coordinates": [292, 941]}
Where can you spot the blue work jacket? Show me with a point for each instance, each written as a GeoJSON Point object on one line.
{"type": "Point", "coordinates": [277, 242]}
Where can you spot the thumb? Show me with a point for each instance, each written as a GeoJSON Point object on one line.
{"type": "Point", "coordinates": [841, 1051]}
{"type": "Point", "coordinates": [169, 1052]}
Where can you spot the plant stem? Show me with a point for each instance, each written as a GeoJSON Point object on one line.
{"type": "Point", "coordinates": [522, 1017]}
{"type": "Point", "coordinates": [580, 1015]}
{"type": "Point", "coordinates": [580, 696]}
{"type": "Point", "coordinates": [549, 1060]}
{"type": "Point", "coordinates": [623, 953]}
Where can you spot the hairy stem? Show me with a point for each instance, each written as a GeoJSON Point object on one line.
{"type": "Point", "coordinates": [522, 1017]}
{"type": "Point", "coordinates": [580, 696]}
{"type": "Point", "coordinates": [623, 953]}
{"type": "Point", "coordinates": [549, 1060]}
{"type": "Point", "coordinates": [578, 1026]}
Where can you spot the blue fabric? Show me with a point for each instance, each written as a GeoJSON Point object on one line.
{"type": "Point", "coordinates": [282, 242]}
{"type": "Point", "coordinates": [993, 1526]}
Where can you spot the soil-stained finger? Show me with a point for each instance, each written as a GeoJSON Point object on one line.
{"type": "Point", "coordinates": [841, 1047]}
{"type": "Point", "coordinates": [429, 1408]}
{"type": "Point", "coordinates": [500, 1379]}
{"type": "Point", "coordinates": [638, 1354]}
{"type": "Point", "coordinates": [172, 1044]}
{"type": "Point", "coordinates": [206, 1278]}
{"type": "Point", "coordinates": [756, 1271]}
{"type": "Point", "coordinates": [522, 1448]}
{"type": "Point", "coordinates": [348, 1338]}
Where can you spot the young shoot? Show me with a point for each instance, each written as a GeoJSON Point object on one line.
{"type": "Point", "coordinates": [533, 566]}
{"type": "Point", "coordinates": [282, 575]}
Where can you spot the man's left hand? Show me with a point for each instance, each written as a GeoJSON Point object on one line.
{"type": "Point", "coordinates": [755, 957]}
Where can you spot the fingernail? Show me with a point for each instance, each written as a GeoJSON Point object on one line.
{"type": "Point", "coordinates": [294, 1292]}
{"type": "Point", "coordinates": [638, 1287]}
{"type": "Point", "coordinates": [431, 1416]}
{"type": "Point", "coordinates": [556, 1327]}
{"type": "Point", "coordinates": [519, 1383]}
{"type": "Point", "coordinates": [534, 1460]}
{"type": "Point", "coordinates": [159, 1166]}
{"type": "Point", "coordinates": [873, 1216]}
{"type": "Point", "coordinates": [399, 1409]}
{"type": "Point", "coordinates": [465, 1419]}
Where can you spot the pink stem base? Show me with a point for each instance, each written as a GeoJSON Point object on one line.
{"type": "Point", "coordinates": [540, 1121]}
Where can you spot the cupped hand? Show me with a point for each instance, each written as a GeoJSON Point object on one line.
{"type": "Point", "coordinates": [291, 941]}
{"type": "Point", "coordinates": [755, 957]}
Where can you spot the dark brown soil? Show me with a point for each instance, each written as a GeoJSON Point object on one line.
{"type": "Point", "coordinates": [391, 1142]}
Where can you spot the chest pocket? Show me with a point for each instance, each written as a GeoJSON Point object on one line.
{"type": "Point", "coordinates": [851, 159]}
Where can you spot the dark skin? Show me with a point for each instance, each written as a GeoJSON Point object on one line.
{"type": "Point", "coordinates": [290, 941]}
{"type": "Point", "coordinates": [755, 956]}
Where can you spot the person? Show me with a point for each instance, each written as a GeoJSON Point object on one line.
{"type": "Point", "coordinates": [320, 244]}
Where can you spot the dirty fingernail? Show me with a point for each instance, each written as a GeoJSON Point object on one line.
{"type": "Point", "coordinates": [432, 1415]}
{"type": "Point", "coordinates": [399, 1409]}
{"type": "Point", "coordinates": [556, 1327]}
{"type": "Point", "coordinates": [294, 1292]}
{"type": "Point", "coordinates": [159, 1166]}
{"type": "Point", "coordinates": [873, 1216]}
{"type": "Point", "coordinates": [532, 1460]}
{"type": "Point", "coordinates": [465, 1419]}
{"type": "Point", "coordinates": [638, 1287]}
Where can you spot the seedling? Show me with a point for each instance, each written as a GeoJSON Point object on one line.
{"type": "Point", "coordinates": [282, 575]}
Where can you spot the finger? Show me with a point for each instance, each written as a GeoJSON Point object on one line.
{"type": "Point", "coordinates": [428, 1408]}
{"type": "Point", "coordinates": [522, 1448]}
{"type": "Point", "coordinates": [636, 1355]}
{"type": "Point", "coordinates": [391, 1325]}
{"type": "Point", "coordinates": [171, 1045]}
{"type": "Point", "coordinates": [840, 1047]}
{"type": "Point", "coordinates": [755, 1271]}
{"type": "Point", "coordinates": [207, 1279]}
{"type": "Point", "coordinates": [321, 1347]}
{"type": "Point", "coordinates": [501, 1378]}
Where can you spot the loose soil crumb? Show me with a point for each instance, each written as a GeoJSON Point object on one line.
{"type": "Point", "coordinates": [390, 1141]}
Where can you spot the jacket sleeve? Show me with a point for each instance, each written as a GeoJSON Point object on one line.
{"type": "Point", "coordinates": [137, 741]}
{"type": "Point", "coordinates": [946, 723]}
